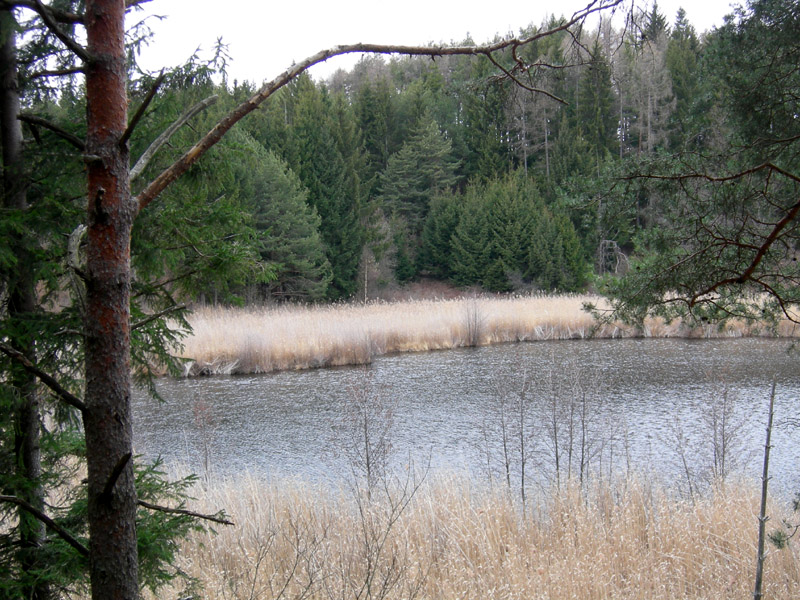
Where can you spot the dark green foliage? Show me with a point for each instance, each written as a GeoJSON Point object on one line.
{"type": "Point", "coordinates": [596, 117]}
{"type": "Point", "coordinates": [471, 243]}
{"type": "Point", "coordinates": [332, 191]}
{"type": "Point", "coordinates": [505, 237]}
{"type": "Point", "coordinates": [422, 168]}
{"type": "Point", "coordinates": [436, 241]}
{"type": "Point", "coordinates": [289, 238]}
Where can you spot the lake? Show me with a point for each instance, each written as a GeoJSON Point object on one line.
{"type": "Point", "coordinates": [675, 410]}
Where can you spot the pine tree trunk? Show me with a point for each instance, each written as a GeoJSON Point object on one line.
{"type": "Point", "coordinates": [111, 210]}
{"type": "Point", "coordinates": [21, 302]}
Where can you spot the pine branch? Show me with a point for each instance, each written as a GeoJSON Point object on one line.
{"type": "Point", "coordinates": [57, 73]}
{"type": "Point", "coordinates": [46, 379]}
{"type": "Point", "coordinates": [183, 511]}
{"type": "Point", "coordinates": [132, 3]}
{"type": "Point", "coordinates": [62, 533]}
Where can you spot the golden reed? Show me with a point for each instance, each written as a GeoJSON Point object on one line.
{"type": "Point", "coordinates": [458, 540]}
{"type": "Point", "coordinates": [261, 340]}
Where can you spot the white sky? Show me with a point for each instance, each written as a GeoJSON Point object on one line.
{"type": "Point", "coordinates": [265, 37]}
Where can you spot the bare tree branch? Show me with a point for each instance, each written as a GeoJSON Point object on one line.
{"type": "Point", "coordinates": [62, 533]}
{"type": "Point", "coordinates": [46, 379]}
{"type": "Point", "coordinates": [72, 139]}
{"type": "Point", "coordinates": [183, 511]}
{"type": "Point", "coordinates": [162, 139]}
{"type": "Point", "coordinates": [142, 108]}
{"type": "Point", "coordinates": [510, 76]}
{"type": "Point", "coordinates": [170, 174]}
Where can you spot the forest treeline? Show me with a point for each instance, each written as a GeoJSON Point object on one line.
{"type": "Point", "coordinates": [409, 167]}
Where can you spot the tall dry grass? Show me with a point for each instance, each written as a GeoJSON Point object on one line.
{"type": "Point", "coordinates": [258, 340]}
{"type": "Point", "coordinates": [453, 540]}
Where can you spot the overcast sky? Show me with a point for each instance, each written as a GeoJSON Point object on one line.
{"type": "Point", "coordinates": [264, 37]}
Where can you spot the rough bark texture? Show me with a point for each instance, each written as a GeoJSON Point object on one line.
{"type": "Point", "coordinates": [21, 301]}
{"type": "Point", "coordinates": [107, 418]}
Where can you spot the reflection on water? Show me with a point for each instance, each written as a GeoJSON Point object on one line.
{"type": "Point", "coordinates": [667, 407]}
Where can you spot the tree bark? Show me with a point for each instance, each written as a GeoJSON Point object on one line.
{"type": "Point", "coordinates": [110, 214]}
{"type": "Point", "coordinates": [21, 302]}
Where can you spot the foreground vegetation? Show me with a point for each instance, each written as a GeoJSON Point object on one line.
{"type": "Point", "coordinates": [456, 539]}
{"type": "Point", "coordinates": [260, 340]}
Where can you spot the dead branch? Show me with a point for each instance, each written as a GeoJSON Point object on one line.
{"type": "Point", "coordinates": [62, 533]}
{"type": "Point", "coordinates": [105, 495]}
{"type": "Point", "coordinates": [56, 73]}
{"type": "Point", "coordinates": [142, 108]}
{"type": "Point", "coordinates": [508, 74]}
{"type": "Point", "coordinates": [46, 379]}
{"type": "Point", "coordinates": [62, 133]}
{"type": "Point", "coordinates": [183, 511]}
{"type": "Point", "coordinates": [162, 139]}
{"type": "Point", "coordinates": [178, 168]}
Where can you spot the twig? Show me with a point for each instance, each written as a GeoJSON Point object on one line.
{"type": "Point", "coordinates": [157, 315]}
{"type": "Point", "coordinates": [183, 511]}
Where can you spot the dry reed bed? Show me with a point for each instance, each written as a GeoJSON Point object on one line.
{"type": "Point", "coordinates": [456, 541]}
{"type": "Point", "coordinates": [261, 340]}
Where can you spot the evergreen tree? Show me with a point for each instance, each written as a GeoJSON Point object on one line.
{"type": "Point", "coordinates": [422, 168]}
{"type": "Point", "coordinates": [289, 237]}
{"type": "Point", "coordinates": [595, 112]}
{"type": "Point", "coordinates": [682, 61]}
{"type": "Point", "coordinates": [471, 243]}
{"type": "Point", "coordinates": [331, 191]}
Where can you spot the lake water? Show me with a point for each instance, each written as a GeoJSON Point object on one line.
{"type": "Point", "coordinates": [675, 410]}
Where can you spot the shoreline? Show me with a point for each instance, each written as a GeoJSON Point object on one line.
{"type": "Point", "coordinates": [252, 340]}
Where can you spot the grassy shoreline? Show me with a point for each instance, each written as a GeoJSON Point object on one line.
{"type": "Point", "coordinates": [458, 539]}
{"type": "Point", "coordinates": [228, 341]}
